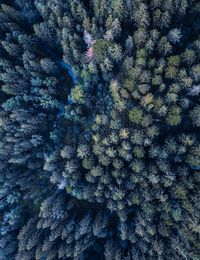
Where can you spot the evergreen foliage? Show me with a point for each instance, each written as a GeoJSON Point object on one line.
{"type": "Point", "coordinates": [99, 129]}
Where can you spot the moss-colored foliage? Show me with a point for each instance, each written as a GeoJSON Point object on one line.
{"type": "Point", "coordinates": [78, 94]}
{"type": "Point", "coordinates": [101, 48]}
{"type": "Point", "coordinates": [195, 115]}
{"type": "Point", "coordinates": [194, 157]}
{"type": "Point", "coordinates": [136, 116]}
{"type": "Point", "coordinates": [174, 116]}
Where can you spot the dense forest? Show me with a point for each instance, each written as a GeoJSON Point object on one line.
{"type": "Point", "coordinates": [99, 129]}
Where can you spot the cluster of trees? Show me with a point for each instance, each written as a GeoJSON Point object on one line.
{"type": "Point", "coordinates": [99, 129]}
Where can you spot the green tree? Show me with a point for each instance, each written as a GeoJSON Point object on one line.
{"type": "Point", "coordinates": [78, 94]}
{"type": "Point", "coordinates": [174, 116]}
{"type": "Point", "coordinates": [136, 116]}
{"type": "Point", "coordinates": [193, 158]}
{"type": "Point", "coordinates": [101, 48]}
{"type": "Point", "coordinates": [164, 46]}
{"type": "Point", "coordinates": [171, 72]}
{"type": "Point", "coordinates": [116, 52]}
{"type": "Point", "coordinates": [195, 115]}
{"type": "Point", "coordinates": [118, 8]}
{"type": "Point", "coordinates": [189, 56]}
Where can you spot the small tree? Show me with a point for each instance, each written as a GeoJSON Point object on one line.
{"type": "Point", "coordinates": [174, 117]}
{"type": "Point", "coordinates": [136, 116]}
{"type": "Point", "coordinates": [195, 115]}
{"type": "Point", "coordinates": [100, 48]}
{"type": "Point", "coordinates": [78, 94]}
